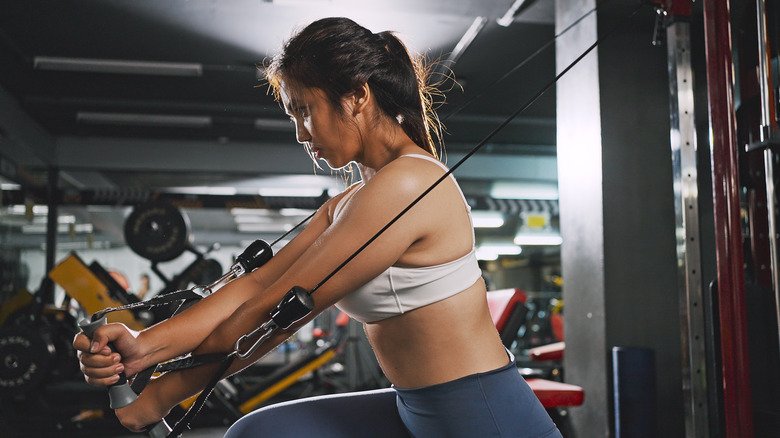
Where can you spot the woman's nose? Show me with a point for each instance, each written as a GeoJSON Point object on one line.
{"type": "Point", "coordinates": [301, 133]}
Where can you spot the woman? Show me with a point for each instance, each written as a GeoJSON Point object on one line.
{"type": "Point", "coordinates": [355, 96]}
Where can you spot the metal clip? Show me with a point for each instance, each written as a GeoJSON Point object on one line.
{"type": "Point", "coordinates": [269, 328]}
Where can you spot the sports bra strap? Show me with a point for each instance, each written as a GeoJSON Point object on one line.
{"type": "Point", "coordinates": [440, 164]}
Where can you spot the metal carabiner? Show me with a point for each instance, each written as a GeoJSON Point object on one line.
{"type": "Point", "coordinates": [269, 328]}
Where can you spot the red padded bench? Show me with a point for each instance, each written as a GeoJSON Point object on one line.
{"type": "Point", "coordinates": [506, 309]}
{"type": "Point", "coordinates": [556, 394]}
{"type": "Point", "coordinates": [552, 351]}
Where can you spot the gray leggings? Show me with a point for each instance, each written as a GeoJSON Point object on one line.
{"type": "Point", "coordinates": [355, 414]}
{"type": "Point", "coordinates": [497, 403]}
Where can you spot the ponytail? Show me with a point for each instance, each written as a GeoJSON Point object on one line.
{"type": "Point", "coordinates": [410, 78]}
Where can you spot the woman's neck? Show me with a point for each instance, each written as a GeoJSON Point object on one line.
{"type": "Point", "coordinates": [386, 145]}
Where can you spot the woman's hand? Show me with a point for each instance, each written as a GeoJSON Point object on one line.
{"type": "Point", "coordinates": [100, 365]}
{"type": "Point", "coordinates": [145, 411]}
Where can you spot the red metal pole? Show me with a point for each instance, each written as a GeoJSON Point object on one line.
{"type": "Point", "coordinates": [728, 236]}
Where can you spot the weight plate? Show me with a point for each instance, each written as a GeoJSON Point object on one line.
{"type": "Point", "coordinates": [199, 272]}
{"type": "Point", "coordinates": [211, 271]}
{"type": "Point", "coordinates": [157, 231]}
{"type": "Point", "coordinates": [25, 360]}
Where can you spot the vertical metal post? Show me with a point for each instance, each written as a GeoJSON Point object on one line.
{"type": "Point", "coordinates": [683, 146]}
{"type": "Point", "coordinates": [732, 314]}
{"type": "Point", "coordinates": [767, 116]}
{"type": "Point", "coordinates": [51, 230]}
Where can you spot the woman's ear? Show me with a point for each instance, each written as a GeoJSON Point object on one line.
{"type": "Point", "coordinates": [360, 98]}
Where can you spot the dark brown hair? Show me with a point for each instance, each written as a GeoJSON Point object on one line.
{"type": "Point", "coordinates": [338, 55]}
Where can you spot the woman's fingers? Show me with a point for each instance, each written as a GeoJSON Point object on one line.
{"type": "Point", "coordinates": [102, 373]}
{"type": "Point", "coordinates": [100, 370]}
{"type": "Point", "coordinates": [99, 360]}
{"type": "Point", "coordinates": [108, 381]}
{"type": "Point", "coordinates": [81, 342]}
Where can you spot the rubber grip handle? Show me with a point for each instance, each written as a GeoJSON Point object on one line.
{"type": "Point", "coordinates": [120, 394]}
{"type": "Point", "coordinates": [160, 430]}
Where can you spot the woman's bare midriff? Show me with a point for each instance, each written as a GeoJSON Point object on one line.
{"type": "Point", "coordinates": [440, 342]}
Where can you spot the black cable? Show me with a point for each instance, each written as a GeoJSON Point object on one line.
{"type": "Point", "coordinates": [185, 421]}
{"type": "Point", "coordinates": [293, 229]}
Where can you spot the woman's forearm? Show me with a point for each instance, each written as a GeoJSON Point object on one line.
{"type": "Point", "coordinates": [185, 331]}
{"type": "Point", "coordinates": [180, 385]}
{"type": "Point", "coordinates": [175, 387]}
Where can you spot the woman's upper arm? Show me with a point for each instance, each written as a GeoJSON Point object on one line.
{"type": "Point", "coordinates": [281, 261]}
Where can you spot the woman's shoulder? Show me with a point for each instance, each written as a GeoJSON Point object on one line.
{"type": "Point", "coordinates": [393, 186]}
{"type": "Point", "coordinates": [411, 171]}
{"type": "Point", "coordinates": [334, 204]}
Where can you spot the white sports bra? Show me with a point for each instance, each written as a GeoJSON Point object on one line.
{"type": "Point", "coordinates": [398, 290]}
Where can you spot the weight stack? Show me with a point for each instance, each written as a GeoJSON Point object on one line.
{"type": "Point", "coordinates": [634, 392]}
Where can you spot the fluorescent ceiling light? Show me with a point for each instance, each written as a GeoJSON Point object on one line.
{"type": "Point", "coordinates": [466, 40]}
{"type": "Point", "coordinates": [36, 209]}
{"type": "Point", "coordinates": [491, 251]}
{"type": "Point", "coordinates": [524, 190]}
{"type": "Point", "coordinates": [117, 66]}
{"type": "Point", "coordinates": [274, 125]}
{"type": "Point", "coordinates": [154, 120]}
{"type": "Point", "coordinates": [69, 246]}
{"type": "Point", "coordinates": [486, 255]}
{"type": "Point", "coordinates": [509, 16]}
{"type": "Point", "coordinates": [253, 219]}
{"type": "Point", "coordinates": [293, 192]}
{"type": "Point", "coordinates": [248, 211]}
{"type": "Point", "coordinates": [298, 2]}
{"type": "Point", "coordinates": [487, 219]}
{"type": "Point", "coordinates": [10, 186]}
{"type": "Point", "coordinates": [501, 248]}
{"type": "Point", "coordinates": [64, 219]}
{"type": "Point", "coordinates": [538, 239]}
{"type": "Point", "coordinates": [205, 190]}
{"type": "Point", "coordinates": [61, 228]}
{"type": "Point", "coordinates": [295, 212]}
{"type": "Point", "coordinates": [17, 209]}
{"type": "Point", "coordinates": [264, 228]}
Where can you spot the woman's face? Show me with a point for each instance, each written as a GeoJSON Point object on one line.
{"type": "Point", "coordinates": [318, 126]}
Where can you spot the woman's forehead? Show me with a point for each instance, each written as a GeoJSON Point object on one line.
{"type": "Point", "coordinates": [293, 95]}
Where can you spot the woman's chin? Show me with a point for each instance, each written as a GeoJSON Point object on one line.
{"type": "Point", "coordinates": [335, 164]}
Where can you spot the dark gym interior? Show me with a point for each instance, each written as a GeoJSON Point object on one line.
{"type": "Point", "coordinates": [627, 214]}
